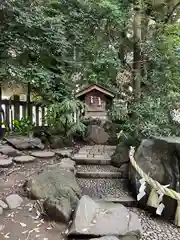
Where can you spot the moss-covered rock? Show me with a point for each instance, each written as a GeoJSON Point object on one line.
{"type": "Point", "coordinates": [121, 155]}
{"type": "Point", "coordinates": [58, 188]}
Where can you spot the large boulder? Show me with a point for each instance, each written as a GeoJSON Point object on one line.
{"type": "Point", "coordinates": [56, 141]}
{"type": "Point", "coordinates": [97, 135]}
{"type": "Point", "coordinates": [120, 159]}
{"type": "Point", "coordinates": [160, 158]}
{"type": "Point", "coordinates": [58, 187]}
{"type": "Point", "coordinates": [23, 143]}
{"type": "Point", "coordinates": [121, 155]}
{"type": "Point", "coordinates": [102, 218]}
{"type": "Point", "coordinates": [101, 132]}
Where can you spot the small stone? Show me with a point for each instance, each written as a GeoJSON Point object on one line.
{"type": "Point", "coordinates": [3, 205]}
{"type": "Point", "coordinates": [5, 162]}
{"type": "Point", "coordinates": [14, 201]}
{"type": "Point", "coordinates": [1, 210]}
{"type": "Point", "coordinates": [24, 159]}
{"type": "Point", "coordinates": [43, 154]}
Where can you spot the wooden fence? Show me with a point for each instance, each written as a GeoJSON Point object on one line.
{"type": "Point", "coordinates": [16, 110]}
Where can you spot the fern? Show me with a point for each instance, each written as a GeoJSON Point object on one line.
{"type": "Point", "coordinates": [61, 117]}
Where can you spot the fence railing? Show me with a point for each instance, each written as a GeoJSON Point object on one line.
{"type": "Point", "coordinates": [16, 110]}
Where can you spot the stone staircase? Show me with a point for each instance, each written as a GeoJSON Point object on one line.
{"type": "Point", "coordinates": [98, 178]}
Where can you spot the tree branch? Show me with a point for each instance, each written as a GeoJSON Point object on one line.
{"type": "Point", "coordinates": [171, 13]}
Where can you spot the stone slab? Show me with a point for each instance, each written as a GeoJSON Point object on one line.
{"type": "Point", "coordinates": [43, 154]}
{"type": "Point", "coordinates": [6, 162]}
{"type": "Point", "coordinates": [101, 219]}
{"type": "Point", "coordinates": [110, 175]}
{"type": "Point", "coordinates": [92, 161]}
{"type": "Point", "coordinates": [24, 159]}
{"type": "Point", "coordinates": [9, 151]}
{"type": "Point", "coordinates": [127, 201]}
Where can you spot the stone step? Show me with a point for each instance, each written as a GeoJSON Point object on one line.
{"type": "Point", "coordinates": [115, 190]}
{"type": "Point", "coordinates": [98, 171]}
{"type": "Point", "coordinates": [99, 175]}
{"type": "Point", "coordinates": [127, 201]}
{"type": "Point", "coordinates": [92, 160]}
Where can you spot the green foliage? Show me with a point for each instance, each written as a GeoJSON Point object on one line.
{"type": "Point", "coordinates": [62, 120]}
{"type": "Point", "coordinates": [23, 127]}
{"type": "Point", "coordinates": [56, 45]}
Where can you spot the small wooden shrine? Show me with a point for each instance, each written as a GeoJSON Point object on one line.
{"type": "Point", "coordinates": [97, 100]}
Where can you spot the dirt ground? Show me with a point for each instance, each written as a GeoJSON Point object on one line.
{"type": "Point", "coordinates": [23, 223]}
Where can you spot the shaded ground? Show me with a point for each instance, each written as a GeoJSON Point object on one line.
{"type": "Point", "coordinates": [22, 224]}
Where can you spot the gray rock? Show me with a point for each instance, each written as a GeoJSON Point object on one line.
{"type": "Point", "coordinates": [14, 201]}
{"type": "Point", "coordinates": [1, 210]}
{"type": "Point", "coordinates": [106, 238]}
{"type": "Point", "coordinates": [56, 142]}
{"type": "Point", "coordinates": [43, 154]}
{"type": "Point", "coordinates": [130, 237]}
{"type": "Point", "coordinates": [67, 163]}
{"type": "Point", "coordinates": [58, 187]}
{"type": "Point", "coordinates": [9, 151]}
{"type": "Point", "coordinates": [23, 143]}
{"type": "Point", "coordinates": [160, 157]}
{"type": "Point", "coordinates": [97, 134]}
{"type": "Point", "coordinates": [58, 209]}
{"type": "Point", "coordinates": [66, 153]}
{"type": "Point", "coordinates": [3, 205]}
{"type": "Point", "coordinates": [24, 159]}
{"type": "Point", "coordinates": [5, 162]}
{"type": "Point", "coordinates": [121, 155]}
{"type": "Point", "coordinates": [102, 218]}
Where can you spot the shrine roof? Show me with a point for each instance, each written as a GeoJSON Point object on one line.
{"type": "Point", "coordinates": [96, 87]}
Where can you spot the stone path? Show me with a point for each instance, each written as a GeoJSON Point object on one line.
{"type": "Point", "coordinates": [22, 223]}
{"type": "Point", "coordinates": [98, 178]}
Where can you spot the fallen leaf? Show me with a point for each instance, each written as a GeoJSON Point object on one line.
{"type": "Point", "coordinates": [23, 224]}
{"type": "Point", "coordinates": [2, 227]}
{"type": "Point", "coordinates": [7, 235]}
{"type": "Point", "coordinates": [30, 209]}
{"type": "Point", "coordinates": [49, 228]}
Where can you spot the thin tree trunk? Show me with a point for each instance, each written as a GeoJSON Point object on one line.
{"type": "Point", "coordinates": [137, 52]}
{"type": "Point", "coordinates": [137, 61]}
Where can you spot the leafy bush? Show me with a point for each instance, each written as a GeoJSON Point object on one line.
{"type": "Point", "coordinates": [23, 126]}
{"type": "Point", "coordinates": [63, 118]}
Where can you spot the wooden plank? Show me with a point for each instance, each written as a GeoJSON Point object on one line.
{"type": "Point", "coordinates": [7, 112]}
{"type": "Point", "coordinates": [24, 111]}
{"type": "Point", "coordinates": [37, 115]}
{"type": "Point", "coordinates": [16, 108]}
{"type": "Point", "coordinates": [43, 116]}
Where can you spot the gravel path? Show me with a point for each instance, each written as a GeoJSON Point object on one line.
{"type": "Point", "coordinates": [96, 168]}
{"type": "Point", "coordinates": [156, 228]}
{"type": "Point", "coordinates": [103, 187]}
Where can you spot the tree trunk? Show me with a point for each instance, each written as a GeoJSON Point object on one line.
{"type": "Point", "coordinates": [136, 61]}
{"type": "Point", "coordinates": [137, 52]}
